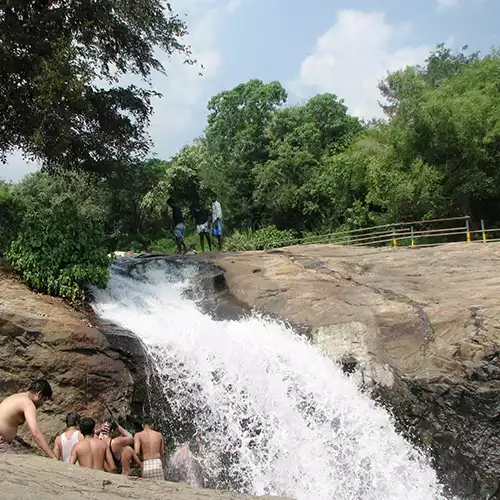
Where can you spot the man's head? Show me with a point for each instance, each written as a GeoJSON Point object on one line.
{"type": "Point", "coordinates": [214, 197]}
{"type": "Point", "coordinates": [170, 202]}
{"type": "Point", "coordinates": [72, 419]}
{"type": "Point", "coordinates": [87, 426]}
{"type": "Point", "coordinates": [147, 422]}
{"type": "Point", "coordinates": [40, 391]}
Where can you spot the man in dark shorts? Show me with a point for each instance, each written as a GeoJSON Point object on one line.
{"type": "Point", "coordinates": [178, 224]}
{"type": "Point", "coordinates": [200, 214]}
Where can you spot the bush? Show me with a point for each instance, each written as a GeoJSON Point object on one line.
{"type": "Point", "coordinates": [9, 215]}
{"type": "Point", "coordinates": [264, 238]}
{"type": "Point", "coordinates": [61, 244]}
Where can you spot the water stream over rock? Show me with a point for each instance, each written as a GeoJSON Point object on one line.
{"type": "Point", "coordinates": [268, 412]}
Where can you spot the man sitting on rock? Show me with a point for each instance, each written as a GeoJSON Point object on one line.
{"type": "Point", "coordinates": [20, 408]}
{"type": "Point", "coordinates": [150, 443]}
{"type": "Point", "coordinates": [92, 453]}
{"type": "Point", "coordinates": [64, 443]}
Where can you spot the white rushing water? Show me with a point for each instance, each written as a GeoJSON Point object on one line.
{"type": "Point", "coordinates": [273, 414]}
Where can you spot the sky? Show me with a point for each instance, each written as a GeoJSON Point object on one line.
{"type": "Point", "coordinates": [341, 46]}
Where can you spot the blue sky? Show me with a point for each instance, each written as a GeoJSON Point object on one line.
{"type": "Point", "coordinates": [338, 46]}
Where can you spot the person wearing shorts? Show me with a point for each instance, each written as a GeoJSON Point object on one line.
{"type": "Point", "coordinates": [217, 220]}
{"type": "Point", "coordinates": [202, 223]}
{"type": "Point", "coordinates": [178, 225]}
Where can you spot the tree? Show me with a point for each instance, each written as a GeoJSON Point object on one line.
{"type": "Point", "coordinates": [301, 139]}
{"type": "Point", "coordinates": [56, 58]}
{"type": "Point", "coordinates": [452, 123]}
{"type": "Point", "coordinates": [236, 141]}
{"type": "Point", "coordinates": [130, 221]}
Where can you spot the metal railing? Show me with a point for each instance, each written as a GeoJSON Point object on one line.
{"type": "Point", "coordinates": [409, 234]}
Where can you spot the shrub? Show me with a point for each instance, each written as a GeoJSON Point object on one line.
{"type": "Point", "coordinates": [61, 245]}
{"type": "Point", "coordinates": [264, 238]}
{"type": "Point", "coordinates": [9, 215]}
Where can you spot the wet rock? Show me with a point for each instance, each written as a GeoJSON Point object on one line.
{"type": "Point", "coordinates": [89, 365]}
{"type": "Point", "coordinates": [421, 327]}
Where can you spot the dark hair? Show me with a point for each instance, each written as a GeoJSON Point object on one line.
{"type": "Point", "coordinates": [147, 421]}
{"type": "Point", "coordinates": [170, 201]}
{"type": "Point", "coordinates": [41, 386]}
{"type": "Point", "coordinates": [72, 419]}
{"type": "Point", "coordinates": [87, 426]}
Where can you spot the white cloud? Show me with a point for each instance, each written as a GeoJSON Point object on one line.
{"type": "Point", "coordinates": [233, 5]}
{"type": "Point", "coordinates": [443, 4]}
{"type": "Point", "coordinates": [353, 56]}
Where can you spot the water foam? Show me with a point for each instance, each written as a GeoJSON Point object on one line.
{"type": "Point", "coordinates": [273, 414]}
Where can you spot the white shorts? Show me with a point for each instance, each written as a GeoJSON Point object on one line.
{"type": "Point", "coordinates": [202, 228]}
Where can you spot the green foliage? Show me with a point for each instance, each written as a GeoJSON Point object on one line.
{"type": "Point", "coordinates": [9, 214]}
{"type": "Point", "coordinates": [61, 245]}
{"type": "Point", "coordinates": [53, 53]}
{"type": "Point", "coordinates": [236, 141]}
{"type": "Point", "coordinates": [264, 238]}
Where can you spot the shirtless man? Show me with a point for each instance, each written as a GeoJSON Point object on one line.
{"type": "Point", "coordinates": [20, 408]}
{"type": "Point", "coordinates": [151, 444]}
{"type": "Point", "coordinates": [64, 443]}
{"type": "Point", "coordinates": [92, 453]}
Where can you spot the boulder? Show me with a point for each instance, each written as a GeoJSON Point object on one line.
{"type": "Point", "coordinates": [420, 327]}
{"type": "Point", "coordinates": [45, 479]}
{"type": "Point", "coordinates": [90, 366]}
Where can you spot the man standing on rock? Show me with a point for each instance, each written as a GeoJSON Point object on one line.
{"type": "Point", "coordinates": [20, 408]}
{"type": "Point", "coordinates": [217, 220]}
{"type": "Point", "coordinates": [152, 446]}
{"type": "Point", "coordinates": [178, 225]}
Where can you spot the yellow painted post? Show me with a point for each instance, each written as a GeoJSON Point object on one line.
{"type": "Point", "coordinates": [467, 228]}
{"type": "Point", "coordinates": [412, 238]}
{"type": "Point", "coordinates": [483, 231]}
{"type": "Point", "coordinates": [394, 240]}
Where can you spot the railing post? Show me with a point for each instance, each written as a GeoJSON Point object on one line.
{"type": "Point", "coordinates": [467, 228]}
{"type": "Point", "coordinates": [483, 231]}
{"type": "Point", "coordinates": [412, 237]}
{"type": "Point", "coordinates": [394, 240]}
{"type": "Point", "coordinates": [348, 240]}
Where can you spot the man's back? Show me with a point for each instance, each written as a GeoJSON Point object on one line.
{"type": "Point", "coordinates": [82, 453]}
{"type": "Point", "coordinates": [150, 444]}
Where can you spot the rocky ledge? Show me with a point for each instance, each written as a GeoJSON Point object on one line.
{"type": "Point", "coordinates": [420, 326]}
{"type": "Point", "coordinates": [91, 366]}
{"type": "Point", "coordinates": [35, 477]}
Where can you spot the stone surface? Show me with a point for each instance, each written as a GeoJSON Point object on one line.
{"type": "Point", "coordinates": [28, 477]}
{"type": "Point", "coordinates": [42, 336]}
{"type": "Point", "coordinates": [422, 327]}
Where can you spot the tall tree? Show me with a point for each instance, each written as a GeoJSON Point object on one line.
{"type": "Point", "coordinates": [61, 62]}
{"type": "Point", "coordinates": [237, 141]}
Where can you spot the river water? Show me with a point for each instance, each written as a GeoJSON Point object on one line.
{"type": "Point", "coordinates": [271, 413]}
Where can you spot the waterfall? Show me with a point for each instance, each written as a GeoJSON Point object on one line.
{"type": "Point", "coordinates": [272, 414]}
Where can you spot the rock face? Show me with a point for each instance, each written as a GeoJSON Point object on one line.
{"type": "Point", "coordinates": [27, 477]}
{"type": "Point", "coordinates": [89, 370]}
{"type": "Point", "coordinates": [420, 326]}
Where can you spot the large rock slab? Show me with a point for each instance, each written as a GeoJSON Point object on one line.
{"type": "Point", "coordinates": [28, 477]}
{"type": "Point", "coordinates": [42, 336]}
{"type": "Point", "coordinates": [422, 327]}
